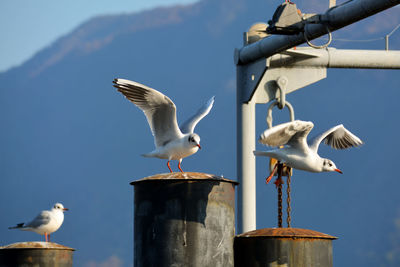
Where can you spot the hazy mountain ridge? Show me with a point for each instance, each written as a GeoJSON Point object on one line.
{"type": "Point", "coordinates": [100, 31]}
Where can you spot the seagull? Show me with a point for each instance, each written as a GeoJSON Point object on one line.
{"type": "Point", "coordinates": [47, 222]}
{"type": "Point", "coordinates": [300, 154]}
{"type": "Point", "coordinates": [172, 142]}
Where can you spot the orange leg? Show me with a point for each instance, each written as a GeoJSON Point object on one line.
{"type": "Point", "coordinates": [179, 165]}
{"type": "Point", "coordinates": [169, 167]}
{"type": "Point", "coordinates": [268, 179]}
{"type": "Point", "coordinates": [48, 237]}
{"type": "Point", "coordinates": [45, 237]}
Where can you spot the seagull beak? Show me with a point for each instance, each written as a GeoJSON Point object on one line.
{"type": "Point", "coordinates": [339, 171]}
{"type": "Point", "coordinates": [198, 146]}
{"type": "Point", "coordinates": [65, 209]}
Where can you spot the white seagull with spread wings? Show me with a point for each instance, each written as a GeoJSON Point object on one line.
{"type": "Point", "coordinates": [300, 154]}
{"type": "Point", "coordinates": [47, 222]}
{"type": "Point", "coordinates": [172, 142]}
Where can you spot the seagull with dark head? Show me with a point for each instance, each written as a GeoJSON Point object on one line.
{"type": "Point", "coordinates": [297, 152]}
{"type": "Point", "coordinates": [46, 222]}
{"type": "Point", "coordinates": [171, 141]}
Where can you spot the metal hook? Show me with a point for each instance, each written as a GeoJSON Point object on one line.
{"type": "Point", "coordinates": [273, 104]}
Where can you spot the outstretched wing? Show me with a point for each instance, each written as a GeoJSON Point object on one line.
{"type": "Point", "coordinates": [292, 133]}
{"type": "Point", "coordinates": [42, 219]}
{"type": "Point", "coordinates": [160, 111]}
{"type": "Point", "coordinates": [337, 137]}
{"type": "Point", "coordinates": [189, 125]}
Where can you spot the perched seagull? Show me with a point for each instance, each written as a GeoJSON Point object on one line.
{"type": "Point", "coordinates": [47, 222]}
{"type": "Point", "coordinates": [298, 153]}
{"type": "Point", "coordinates": [172, 142]}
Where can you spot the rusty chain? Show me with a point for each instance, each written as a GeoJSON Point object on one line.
{"type": "Point", "coordinates": [279, 186]}
{"type": "Point", "coordinates": [289, 209]}
{"type": "Point", "coordinates": [283, 170]}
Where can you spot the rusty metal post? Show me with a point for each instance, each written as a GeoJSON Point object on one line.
{"type": "Point", "coordinates": [290, 247]}
{"type": "Point", "coordinates": [184, 219]}
{"type": "Point", "coordinates": [30, 254]}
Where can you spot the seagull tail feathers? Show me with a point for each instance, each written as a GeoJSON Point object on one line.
{"type": "Point", "coordinates": [18, 226]}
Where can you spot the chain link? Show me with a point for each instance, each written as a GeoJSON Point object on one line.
{"type": "Point", "coordinates": [279, 186]}
{"type": "Point", "coordinates": [283, 170]}
{"type": "Point", "coordinates": [289, 209]}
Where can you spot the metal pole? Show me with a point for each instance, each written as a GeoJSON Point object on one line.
{"type": "Point", "coordinates": [246, 163]}
{"type": "Point", "coordinates": [334, 19]}
{"type": "Point", "coordinates": [337, 58]}
{"type": "Point", "coordinates": [247, 174]}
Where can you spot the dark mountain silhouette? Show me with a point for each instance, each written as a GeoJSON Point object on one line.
{"type": "Point", "coordinates": [67, 135]}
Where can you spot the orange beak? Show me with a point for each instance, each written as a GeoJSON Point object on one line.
{"type": "Point", "coordinates": [65, 209]}
{"type": "Point", "coordinates": [199, 146]}
{"type": "Point", "coordinates": [339, 171]}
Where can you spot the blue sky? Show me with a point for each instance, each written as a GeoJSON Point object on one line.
{"type": "Point", "coordinates": [26, 26]}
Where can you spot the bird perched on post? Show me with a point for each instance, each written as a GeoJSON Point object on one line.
{"type": "Point", "coordinates": [46, 223]}
{"type": "Point", "coordinates": [300, 154]}
{"type": "Point", "coordinates": [171, 142]}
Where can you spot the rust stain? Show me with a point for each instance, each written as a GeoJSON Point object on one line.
{"type": "Point", "coordinates": [184, 176]}
{"type": "Point", "coordinates": [286, 233]}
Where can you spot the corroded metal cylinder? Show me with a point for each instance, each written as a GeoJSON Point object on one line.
{"type": "Point", "coordinates": [43, 254]}
{"type": "Point", "coordinates": [291, 247]}
{"type": "Point", "coordinates": [184, 219]}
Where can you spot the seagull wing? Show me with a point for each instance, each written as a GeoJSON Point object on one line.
{"type": "Point", "coordinates": [292, 133]}
{"type": "Point", "coordinates": [189, 124]}
{"type": "Point", "coordinates": [160, 111]}
{"type": "Point", "coordinates": [42, 219]}
{"type": "Point", "coordinates": [337, 137]}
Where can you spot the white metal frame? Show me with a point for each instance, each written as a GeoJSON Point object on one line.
{"type": "Point", "coordinates": [261, 64]}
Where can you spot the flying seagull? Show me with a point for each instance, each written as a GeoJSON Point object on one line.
{"type": "Point", "coordinates": [47, 222]}
{"type": "Point", "coordinates": [171, 142]}
{"type": "Point", "coordinates": [300, 154]}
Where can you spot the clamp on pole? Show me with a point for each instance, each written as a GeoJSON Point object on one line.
{"type": "Point", "coordinates": [282, 82]}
